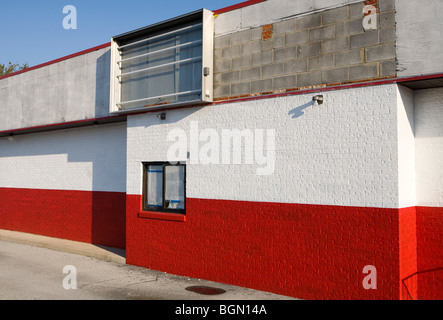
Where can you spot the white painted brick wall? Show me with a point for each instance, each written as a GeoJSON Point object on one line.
{"type": "Point", "coordinates": [343, 152]}
{"type": "Point", "coordinates": [429, 146]}
{"type": "Point", "coordinates": [406, 148]}
{"type": "Point", "coordinates": [87, 159]}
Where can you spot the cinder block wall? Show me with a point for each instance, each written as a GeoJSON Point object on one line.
{"type": "Point", "coordinates": [318, 49]}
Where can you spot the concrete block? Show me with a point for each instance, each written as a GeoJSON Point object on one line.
{"type": "Point", "coordinates": [388, 68]}
{"type": "Point", "coordinates": [335, 45]}
{"type": "Point", "coordinates": [231, 76]}
{"type": "Point", "coordinates": [387, 19]}
{"type": "Point", "coordinates": [383, 52]}
{"type": "Point", "coordinates": [321, 62]}
{"type": "Point", "coordinates": [218, 54]}
{"type": "Point", "coordinates": [222, 91]}
{"type": "Point", "coordinates": [295, 38]}
{"type": "Point", "coordinates": [217, 79]}
{"type": "Point", "coordinates": [222, 41]}
{"type": "Point", "coordinates": [251, 47]}
{"type": "Point", "coordinates": [309, 21]}
{"type": "Point", "coordinates": [308, 79]}
{"type": "Point", "coordinates": [241, 37]}
{"type": "Point", "coordinates": [335, 15]}
{"type": "Point", "coordinates": [261, 58]}
{"type": "Point", "coordinates": [250, 74]}
{"type": "Point", "coordinates": [230, 52]}
{"type": "Point", "coordinates": [295, 66]}
{"type": "Point", "coordinates": [285, 82]}
{"type": "Point", "coordinates": [322, 33]}
{"type": "Point", "coordinates": [366, 39]}
{"type": "Point", "coordinates": [222, 65]}
{"type": "Point", "coordinates": [349, 57]}
{"type": "Point", "coordinates": [285, 54]}
{"type": "Point", "coordinates": [285, 26]}
{"type": "Point", "coordinates": [364, 71]}
{"type": "Point", "coordinates": [349, 27]}
{"type": "Point", "coordinates": [239, 89]}
{"type": "Point", "coordinates": [279, 41]}
{"type": "Point", "coordinates": [309, 50]}
{"type": "Point", "coordinates": [273, 43]}
{"type": "Point", "coordinates": [241, 62]}
{"type": "Point", "coordinates": [388, 35]}
{"type": "Point", "coordinates": [256, 34]}
{"type": "Point", "coordinates": [335, 75]}
{"type": "Point", "coordinates": [356, 10]}
{"type": "Point", "coordinates": [272, 70]}
{"type": "Point", "coordinates": [261, 86]}
{"type": "Point", "coordinates": [386, 5]}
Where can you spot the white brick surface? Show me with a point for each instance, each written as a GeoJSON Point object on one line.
{"type": "Point", "coordinates": [429, 146]}
{"type": "Point", "coordinates": [87, 159]}
{"type": "Point", "coordinates": [406, 148]}
{"type": "Point", "coordinates": [343, 152]}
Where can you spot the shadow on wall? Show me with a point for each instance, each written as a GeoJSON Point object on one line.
{"type": "Point", "coordinates": [74, 181]}
{"type": "Point", "coordinates": [298, 112]}
{"type": "Point", "coordinates": [102, 85]}
{"type": "Point", "coordinates": [76, 178]}
{"type": "Point", "coordinates": [426, 279]}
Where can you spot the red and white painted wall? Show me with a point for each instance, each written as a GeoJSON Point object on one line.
{"type": "Point", "coordinates": [342, 196]}
{"type": "Point", "coordinates": [68, 184]}
{"type": "Point", "coordinates": [353, 182]}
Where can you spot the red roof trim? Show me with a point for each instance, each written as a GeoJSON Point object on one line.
{"type": "Point", "coordinates": [238, 6]}
{"type": "Point", "coordinates": [57, 60]}
{"type": "Point", "coordinates": [60, 124]}
{"type": "Point", "coordinates": [334, 87]}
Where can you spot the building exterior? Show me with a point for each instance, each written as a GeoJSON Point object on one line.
{"type": "Point", "coordinates": [309, 136]}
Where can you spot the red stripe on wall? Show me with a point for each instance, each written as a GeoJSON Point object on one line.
{"type": "Point", "coordinates": [93, 217]}
{"type": "Point", "coordinates": [408, 253]}
{"type": "Point", "coordinates": [304, 251]}
{"type": "Point", "coordinates": [430, 253]}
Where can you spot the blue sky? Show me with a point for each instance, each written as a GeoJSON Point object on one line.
{"type": "Point", "coordinates": [33, 33]}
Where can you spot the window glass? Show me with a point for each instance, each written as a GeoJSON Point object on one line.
{"type": "Point", "coordinates": [165, 69]}
{"type": "Point", "coordinates": [155, 186]}
{"type": "Point", "coordinates": [174, 187]}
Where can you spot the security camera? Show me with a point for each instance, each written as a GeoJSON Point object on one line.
{"type": "Point", "coordinates": [162, 116]}
{"type": "Point", "coordinates": [319, 99]}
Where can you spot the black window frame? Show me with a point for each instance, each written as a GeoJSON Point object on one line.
{"type": "Point", "coordinates": [145, 207]}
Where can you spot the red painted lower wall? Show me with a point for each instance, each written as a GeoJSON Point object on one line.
{"type": "Point", "coordinates": [430, 253]}
{"type": "Point", "coordinates": [92, 217]}
{"type": "Point", "coordinates": [305, 251]}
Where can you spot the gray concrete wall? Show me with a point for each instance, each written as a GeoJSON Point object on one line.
{"type": "Point", "coordinates": [321, 48]}
{"type": "Point", "coordinates": [70, 90]}
{"type": "Point", "coordinates": [419, 36]}
{"type": "Point", "coordinates": [312, 43]}
{"type": "Point", "coordinates": [269, 11]}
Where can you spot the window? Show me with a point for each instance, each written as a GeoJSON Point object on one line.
{"type": "Point", "coordinates": [164, 187]}
{"type": "Point", "coordinates": [167, 64]}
